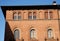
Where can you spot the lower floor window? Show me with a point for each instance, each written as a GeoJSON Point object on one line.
{"type": "Point", "coordinates": [16, 34]}
{"type": "Point", "coordinates": [32, 33]}
{"type": "Point", "coordinates": [49, 33]}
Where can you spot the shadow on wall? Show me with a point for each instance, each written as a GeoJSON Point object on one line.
{"type": "Point", "coordinates": [8, 33]}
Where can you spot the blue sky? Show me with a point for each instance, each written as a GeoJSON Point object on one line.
{"type": "Point", "coordinates": [19, 2]}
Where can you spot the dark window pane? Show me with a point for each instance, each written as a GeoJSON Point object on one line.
{"type": "Point", "coordinates": [34, 17]}
{"type": "Point", "coordinates": [15, 17]}
{"type": "Point", "coordinates": [29, 17]}
{"type": "Point", "coordinates": [19, 17]}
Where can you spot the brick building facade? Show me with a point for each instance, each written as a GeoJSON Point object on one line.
{"type": "Point", "coordinates": [32, 23]}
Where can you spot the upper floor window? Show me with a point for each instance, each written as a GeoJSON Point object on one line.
{"type": "Point", "coordinates": [32, 15]}
{"type": "Point", "coordinates": [16, 34]}
{"type": "Point", "coordinates": [17, 15]}
{"type": "Point", "coordinates": [32, 33]}
{"type": "Point", "coordinates": [48, 15]}
{"type": "Point", "coordinates": [49, 33]}
{"type": "Point", "coordinates": [51, 14]}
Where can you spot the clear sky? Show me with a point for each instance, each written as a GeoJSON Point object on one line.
{"type": "Point", "coordinates": [19, 2]}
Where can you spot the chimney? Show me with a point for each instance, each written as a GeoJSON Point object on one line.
{"type": "Point", "coordinates": [54, 3]}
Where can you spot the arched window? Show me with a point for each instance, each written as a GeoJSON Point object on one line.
{"type": "Point", "coordinates": [49, 33]}
{"type": "Point", "coordinates": [32, 33]}
{"type": "Point", "coordinates": [48, 15]}
{"type": "Point", "coordinates": [19, 15]}
{"type": "Point", "coordinates": [51, 14]}
{"type": "Point", "coordinates": [16, 34]}
{"type": "Point", "coordinates": [34, 15]}
{"type": "Point", "coordinates": [15, 16]}
{"type": "Point", "coordinates": [30, 15]}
